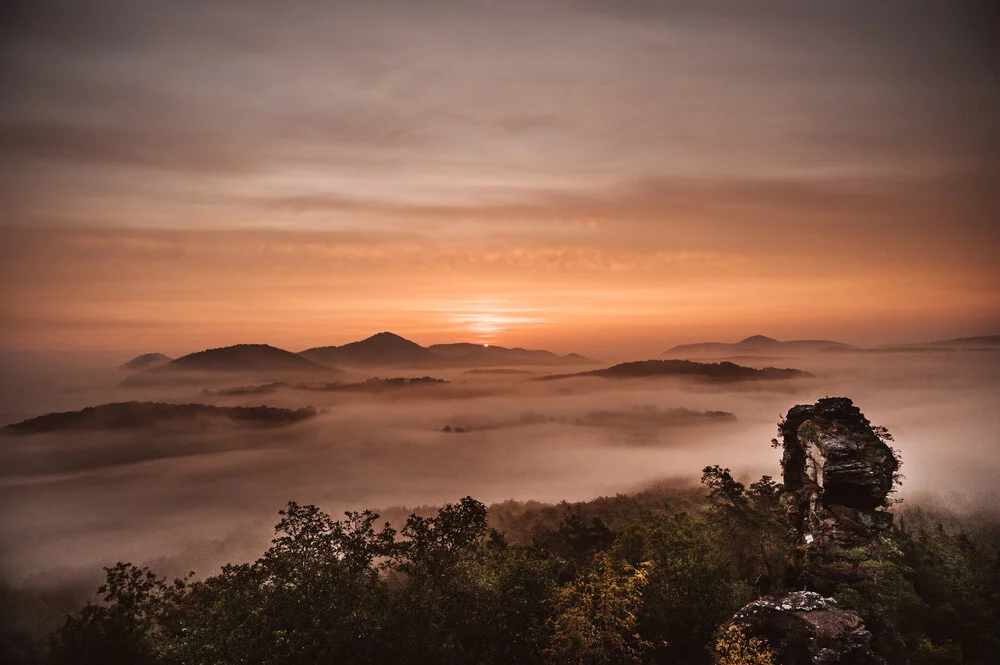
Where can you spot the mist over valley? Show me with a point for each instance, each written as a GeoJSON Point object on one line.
{"type": "Point", "coordinates": [185, 484]}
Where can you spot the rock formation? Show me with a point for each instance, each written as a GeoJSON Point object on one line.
{"type": "Point", "coordinates": [838, 473]}
{"type": "Point", "coordinates": [803, 627]}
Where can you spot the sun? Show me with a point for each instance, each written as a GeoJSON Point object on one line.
{"type": "Point", "coordinates": [488, 322]}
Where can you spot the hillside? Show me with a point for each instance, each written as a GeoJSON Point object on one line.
{"type": "Point", "coordinates": [754, 345]}
{"type": "Point", "coordinates": [244, 358]}
{"type": "Point", "coordinates": [381, 350]}
{"type": "Point", "coordinates": [145, 361]}
{"type": "Point", "coordinates": [722, 371]}
{"type": "Point", "coordinates": [137, 415]}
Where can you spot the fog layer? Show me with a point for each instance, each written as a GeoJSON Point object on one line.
{"type": "Point", "coordinates": [198, 495]}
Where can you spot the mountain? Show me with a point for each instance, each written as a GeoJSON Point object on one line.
{"type": "Point", "coordinates": [465, 354]}
{"type": "Point", "coordinates": [755, 345]}
{"type": "Point", "coordinates": [145, 361]}
{"type": "Point", "coordinates": [134, 415]}
{"type": "Point", "coordinates": [244, 358]}
{"type": "Point", "coordinates": [389, 350]}
{"type": "Point", "coordinates": [724, 371]}
{"type": "Point", "coordinates": [381, 350]}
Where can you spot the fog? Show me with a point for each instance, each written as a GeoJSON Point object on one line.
{"type": "Point", "coordinates": [192, 496]}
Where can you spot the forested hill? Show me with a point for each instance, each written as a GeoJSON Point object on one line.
{"type": "Point", "coordinates": [137, 415]}
{"type": "Point", "coordinates": [721, 371]}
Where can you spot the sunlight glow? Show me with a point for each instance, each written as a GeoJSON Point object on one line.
{"type": "Point", "coordinates": [488, 325]}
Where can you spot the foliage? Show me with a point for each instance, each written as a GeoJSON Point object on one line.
{"type": "Point", "coordinates": [754, 525]}
{"type": "Point", "coordinates": [124, 628]}
{"type": "Point", "coordinates": [577, 539]}
{"type": "Point", "coordinates": [957, 582]}
{"type": "Point", "coordinates": [928, 596]}
{"type": "Point", "coordinates": [885, 436]}
{"type": "Point", "coordinates": [691, 588]}
{"type": "Point", "coordinates": [596, 616]}
{"type": "Point", "coordinates": [735, 647]}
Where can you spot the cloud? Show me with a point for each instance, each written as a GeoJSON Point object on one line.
{"type": "Point", "coordinates": [459, 101]}
{"type": "Point", "coordinates": [120, 146]}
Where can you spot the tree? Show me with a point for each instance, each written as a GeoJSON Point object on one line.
{"type": "Point", "coordinates": [125, 628]}
{"type": "Point", "coordinates": [595, 617]}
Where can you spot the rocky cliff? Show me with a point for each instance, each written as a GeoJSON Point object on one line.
{"type": "Point", "coordinates": [838, 472]}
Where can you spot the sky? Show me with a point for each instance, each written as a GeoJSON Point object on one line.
{"type": "Point", "coordinates": [583, 175]}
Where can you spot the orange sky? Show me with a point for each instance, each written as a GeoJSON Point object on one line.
{"type": "Point", "coordinates": [606, 178]}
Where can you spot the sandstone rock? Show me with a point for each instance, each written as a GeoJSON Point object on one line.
{"type": "Point", "coordinates": [837, 473]}
{"type": "Point", "coordinates": [803, 627]}
{"type": "Point", "coordinates": [855, 467]}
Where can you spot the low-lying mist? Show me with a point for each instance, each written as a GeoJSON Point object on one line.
{"type": "Point", "coordinates": [191, 496]}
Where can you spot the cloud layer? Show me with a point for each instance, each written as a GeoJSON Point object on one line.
{"type": "Point", "coordinates": [625, 148]}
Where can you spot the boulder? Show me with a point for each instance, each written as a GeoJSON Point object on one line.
{"type": "Point", "coordinates": [803, 627]}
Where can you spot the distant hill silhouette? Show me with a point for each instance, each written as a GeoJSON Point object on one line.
{"type": "Point", "coordinates": [980, 342]}
{"type": "Point", "coordinates": [135, 415]}
{"type": "Point", "coordinates": [465, 354]}
{"type": "Point", "coordinates": [263, 389]}
{"type": "Point", "coordinates": [375, 384]}
{"type": "Point", "coordinates": [243, 358]}
{"type": "Point", "coordinates": [754, 345]}
{"type": "Point", "coordinates": [651, 417]}
{"type": "Point", "coordinates": [390, 350]}
{"type": "Point", "coordinates": [497, 370]}
{"type": "Point", "coordinates": [145, 361]}
{"type": "Point", "coordinates": [384, 349]}
{"type": "Point", "coordinates": [723, 371]}
{"type": "Point", "coordinates": [381, 350]}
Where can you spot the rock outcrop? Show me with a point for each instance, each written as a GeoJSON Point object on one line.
{"type": "Point", "coordinates": [838, 473]}
{"type": "Point", "coordinates": [803, 627]}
